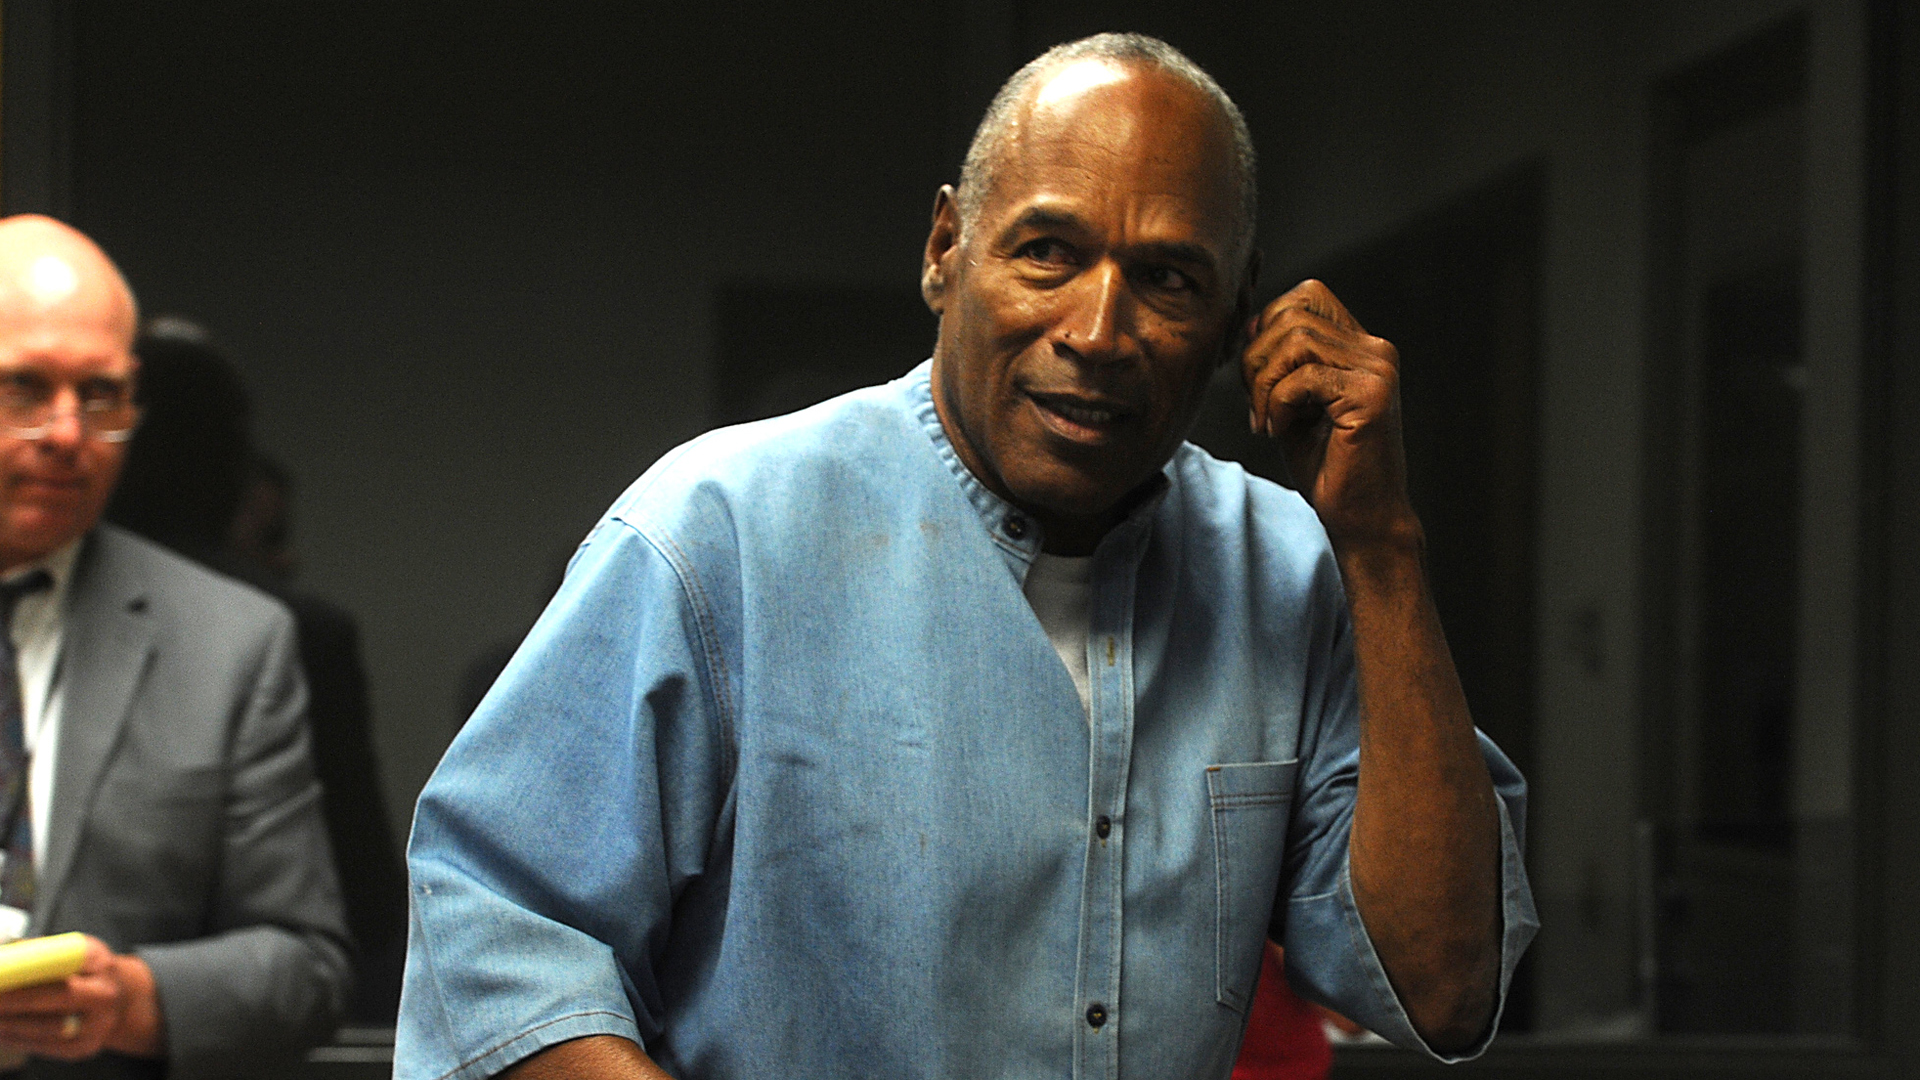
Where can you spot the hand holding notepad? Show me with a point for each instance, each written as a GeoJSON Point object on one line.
{"type": "Point", "coordinates": [32, 961]}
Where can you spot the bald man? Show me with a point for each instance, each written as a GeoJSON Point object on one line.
{"type": "Point", "coordinates": [976, 725]}
{"type": "Point", "coordinates": [153, 756]}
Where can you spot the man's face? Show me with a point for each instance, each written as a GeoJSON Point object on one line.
{"type": "Point", "coordinates": [1083, 313]}
{"type": "Point", "coordinates": [52, 489]}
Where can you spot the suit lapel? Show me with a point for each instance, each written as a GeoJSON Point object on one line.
{"type": "Point", "coordinates": [108, 640]}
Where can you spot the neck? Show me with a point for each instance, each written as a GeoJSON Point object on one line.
{"type": "Point", "coordinates": [1075, 535]}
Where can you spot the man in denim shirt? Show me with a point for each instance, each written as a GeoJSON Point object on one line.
{"type": "Point", "coordinates": [791, 778]}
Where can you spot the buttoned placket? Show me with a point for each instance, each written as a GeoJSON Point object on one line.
{"type": "Point", "coordinates": [1096, 1014]}
{"type": "Point", "coordinates": [1096, 1051]}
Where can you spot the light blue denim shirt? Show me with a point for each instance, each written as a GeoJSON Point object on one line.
{"type": "Point", "coordinates": [788, 781]}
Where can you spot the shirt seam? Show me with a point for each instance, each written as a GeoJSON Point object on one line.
{"type": "Point", "coordinates": [719, 685]}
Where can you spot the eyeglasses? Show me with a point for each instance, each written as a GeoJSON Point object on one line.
{"type": "Point", "coordinates": [30, 406]}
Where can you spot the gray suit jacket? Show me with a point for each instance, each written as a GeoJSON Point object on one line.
{"type": "Point", "coordinates": [186, 822]}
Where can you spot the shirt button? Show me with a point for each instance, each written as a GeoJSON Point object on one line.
{"type": "Point", "coordinates": [1096, 1015]}
{"type": "Point", "coordinates": [1015, 527]}
{"type": "Point", "coordinates": [1103, 827]}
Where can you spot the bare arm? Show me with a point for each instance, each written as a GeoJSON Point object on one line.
{"type": "Point", "coordinates": [1426, 830]}
{"type": "Point", "coordinates": [1425, 851]}
{"type": "Point", "coordinates": [596, 1057]}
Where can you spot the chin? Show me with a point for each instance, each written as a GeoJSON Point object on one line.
{"type": "Point", "coordinates": [1069, 496]}
{"type": "Point", "coordinates": [38, 535]}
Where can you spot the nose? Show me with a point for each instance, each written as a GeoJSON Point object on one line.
{"type": "Point", "coordinates": [1090, 327]}
{"type": "Point", "coordinates": [65, 429]}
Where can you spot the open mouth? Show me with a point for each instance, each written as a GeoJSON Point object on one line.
{"type": "Point", "coordinates": [1077, 417]}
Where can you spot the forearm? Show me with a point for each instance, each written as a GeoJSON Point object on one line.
{"type": "Point", "coordinates": [1425, 852]}
{"type": "Point", "coordinates": [596, 1057]}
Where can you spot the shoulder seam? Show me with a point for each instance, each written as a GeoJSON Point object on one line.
{"type": "Point", "coordinates": [650, 477]}
{"type": "Point", "coordinates": [719, 685]}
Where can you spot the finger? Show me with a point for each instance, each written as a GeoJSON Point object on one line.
{"type": "Point", "coordinates": [49, 998]}
{"type": "Point", "coordinates": [1345, 397]}
{"type": "Point", "coordinates": [1294, 335]}
{"type": "Point", "coordinates": [46, 1031]}
{"type": "Point", "coordinates": [92, 992]}
{"type": "Point", "coordinates": [1280, 349]}
{"type": "Point", "coordinates": [1313, 296]}
{"type": "Point", "coordinates": [1290, 344]}
{"type": "Point", "coordinates": [1302, 303]}
{"type": "Point", "coordinates": [1294, 309]}
{"type": "Point", "coordinates": [70, 1036]}
{"type": "Point", "coordinates": [79, 1048]}
{"type": "Point", "coordinates": [1301, 428]}
{"type": "Point", "coordinates": [99, 957]}
{"type": "Point", "coordinates": [1347, 347]}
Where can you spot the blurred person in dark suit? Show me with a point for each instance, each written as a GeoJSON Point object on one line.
{"type": "Point", "coordinates": [158, 791]}
{"type": "Point", "coordinates": [194, 482]}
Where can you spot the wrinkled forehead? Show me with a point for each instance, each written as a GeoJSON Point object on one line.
{"type": "Point", "coordinates": [1114, 128]}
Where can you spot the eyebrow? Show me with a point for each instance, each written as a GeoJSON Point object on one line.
{"type": "Point", "coordinates": [1042, 218]}
{"type": "Point", "coordinates": [1174, 252]}
{"type": "Point", "coordinates": [1045, 218]}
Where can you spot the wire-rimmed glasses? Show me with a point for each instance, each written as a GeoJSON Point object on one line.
{"type": "Point", "coordinates": [30, 404]}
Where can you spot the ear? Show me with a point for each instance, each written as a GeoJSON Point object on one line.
{"type": "Point", "coordinates": [943, 241]}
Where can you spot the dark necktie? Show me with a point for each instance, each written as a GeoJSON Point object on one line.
{"type": "Point", "coordinates": [16, 874]}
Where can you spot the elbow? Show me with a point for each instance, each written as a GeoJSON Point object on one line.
{"type": "Point", "coordinates": [1459, 1032]}
{"type": "Point", "coordinates": [1453, 1015]}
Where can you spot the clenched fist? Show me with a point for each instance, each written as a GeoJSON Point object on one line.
{"type": "Point", "coordinates": [1330, 392]}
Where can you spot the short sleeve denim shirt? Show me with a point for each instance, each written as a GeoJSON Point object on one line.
{"type": "Point", "coordinates": [788, 781]}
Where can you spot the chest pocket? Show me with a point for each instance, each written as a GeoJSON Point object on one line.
{"type": "Point", "coordinates": [1249, 805]}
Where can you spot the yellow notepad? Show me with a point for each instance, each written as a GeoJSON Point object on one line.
{"type": "Point", "coordinates": [32, 961]}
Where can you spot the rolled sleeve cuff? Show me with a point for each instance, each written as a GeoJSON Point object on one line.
{"type": "Point", "coordinates": [499, 1058]}
{"type": "Point", "coordinates": [1363, 992]}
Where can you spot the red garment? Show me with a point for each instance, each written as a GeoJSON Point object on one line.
{"type": "Point", "coordinates": [1285, 1037]}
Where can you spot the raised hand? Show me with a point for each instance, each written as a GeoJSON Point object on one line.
{"type": "Point", "coordinates": [1330, 392]}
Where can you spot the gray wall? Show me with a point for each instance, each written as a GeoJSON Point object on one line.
{"type": "Point", "coordinates": [466, 261]}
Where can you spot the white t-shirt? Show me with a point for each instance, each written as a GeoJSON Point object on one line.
{"type": "Point", "coordinates": [1060, 588]}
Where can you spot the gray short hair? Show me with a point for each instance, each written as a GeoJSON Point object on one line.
{"type": "Point", "coordinates": [989, 139]}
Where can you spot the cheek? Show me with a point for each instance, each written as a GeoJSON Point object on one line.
{"type": "Point", "coordinates": [1183, 387]}
{"type": "Point", "coordinates": [104, 464]}
{"type": "Point", "coordinates": [1004, 318]}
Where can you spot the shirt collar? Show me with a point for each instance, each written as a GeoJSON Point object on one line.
{"type": "Point", "coordinates": [58, 564]}
{"type": "Point", "coordinates": [39, 614]}
{"type": "Point", "coordinates": [1011, 528]}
